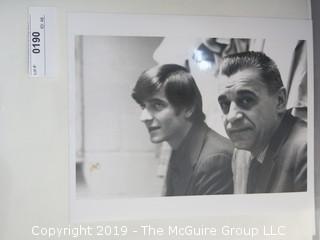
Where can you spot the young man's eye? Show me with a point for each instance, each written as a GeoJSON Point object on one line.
{"type": "Point", "coordinates": [142, 106]}
{"type": "Point", "coordinates": [158, 106]}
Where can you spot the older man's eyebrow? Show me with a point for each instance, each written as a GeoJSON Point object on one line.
{"type": "Point", "coordinates": [245, 92]}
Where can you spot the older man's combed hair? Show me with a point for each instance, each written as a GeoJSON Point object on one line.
{"type": "Point", "coordinates": [269, 71]}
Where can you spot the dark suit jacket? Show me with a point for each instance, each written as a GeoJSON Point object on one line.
{"type": "Point", "coordinates": [284, 168]}
{"type": "Point", "coordinates": [201, 165]}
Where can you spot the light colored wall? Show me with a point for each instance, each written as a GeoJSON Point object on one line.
{"type": "Point", "coordinates": [34, 111]}
{"type": "Point", "coordinates": [118, 155]}
{"type": "Point", "coordinates": [111, 67]}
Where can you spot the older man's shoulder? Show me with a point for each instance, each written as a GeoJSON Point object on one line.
{"type": "Point", "coordinates": [299, 132]}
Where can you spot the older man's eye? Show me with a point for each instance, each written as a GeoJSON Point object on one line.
{"type": "Point", "coordinates": [245, 102]}
{"type": "Point", "coordinates": [225, 106]}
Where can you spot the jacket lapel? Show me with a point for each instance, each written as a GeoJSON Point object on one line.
{"type": "Point", "coordinates": [275, 146]}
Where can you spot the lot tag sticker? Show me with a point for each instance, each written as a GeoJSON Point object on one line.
{"type": "Point", "coordinates": [42, 41]}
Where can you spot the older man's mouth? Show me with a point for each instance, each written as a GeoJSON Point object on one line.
{"type": "Point", "coordinates": [151, 129]}
{"type": "Point", "coordinates": [238, 130]}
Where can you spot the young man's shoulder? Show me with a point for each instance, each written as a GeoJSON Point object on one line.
{"type": "Point", "coordinates": [216, 145]}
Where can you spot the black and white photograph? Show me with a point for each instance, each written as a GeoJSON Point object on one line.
{"type": "Point", "coordinates": [171, 117]}
{"type": "Point", "coordinates": [189, 115]}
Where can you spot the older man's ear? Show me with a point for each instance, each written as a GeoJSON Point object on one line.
{"type": "Point", "coordinates": [281, 100]}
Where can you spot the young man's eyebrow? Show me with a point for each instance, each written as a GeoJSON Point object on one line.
{"type": "Point", "coordinates": [155, 100]}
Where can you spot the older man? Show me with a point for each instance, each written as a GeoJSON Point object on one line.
{"type": "Point", "coordinates": [171, 102]}
{"type": "Point", "coordinates": [253, 102]}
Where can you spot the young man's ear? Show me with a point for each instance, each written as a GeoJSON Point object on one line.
{"type": "Point", "coordinates": [281, 100]}
{"type": "Point", "coordinates": [189, 111]}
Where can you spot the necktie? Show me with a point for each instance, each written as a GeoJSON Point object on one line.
{"type": "Point", "coordinates": [253, 176]}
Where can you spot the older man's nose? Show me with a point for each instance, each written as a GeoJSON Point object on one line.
{"type": "Point", "coordinates": [234, 113]}
{"type": "Point", "coordinates": [145, 115]}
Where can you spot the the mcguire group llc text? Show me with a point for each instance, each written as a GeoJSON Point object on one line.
{"type": "Point", "coordinates": [226, 230]}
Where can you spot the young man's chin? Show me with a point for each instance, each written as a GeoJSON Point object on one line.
{"type": "Point", "coordinates": [156, 140]}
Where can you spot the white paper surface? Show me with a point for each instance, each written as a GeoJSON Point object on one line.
{"type": "Point", "coordinates": [173, 207]}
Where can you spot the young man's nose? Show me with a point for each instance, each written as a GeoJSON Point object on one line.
{"type": "Point", "coordinates": [145, 115]}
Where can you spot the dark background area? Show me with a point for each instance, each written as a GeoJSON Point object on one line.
{"type": "Point", "coordinates": [316, 46]}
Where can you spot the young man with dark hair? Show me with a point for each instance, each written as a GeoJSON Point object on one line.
{"type": "Point", "coordinates": [171, 102]}
{"type": "Point", "coordinates": [253, 101]}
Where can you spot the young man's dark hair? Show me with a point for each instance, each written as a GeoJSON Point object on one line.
{"type": "Point", "coordinates": [179, 86]}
